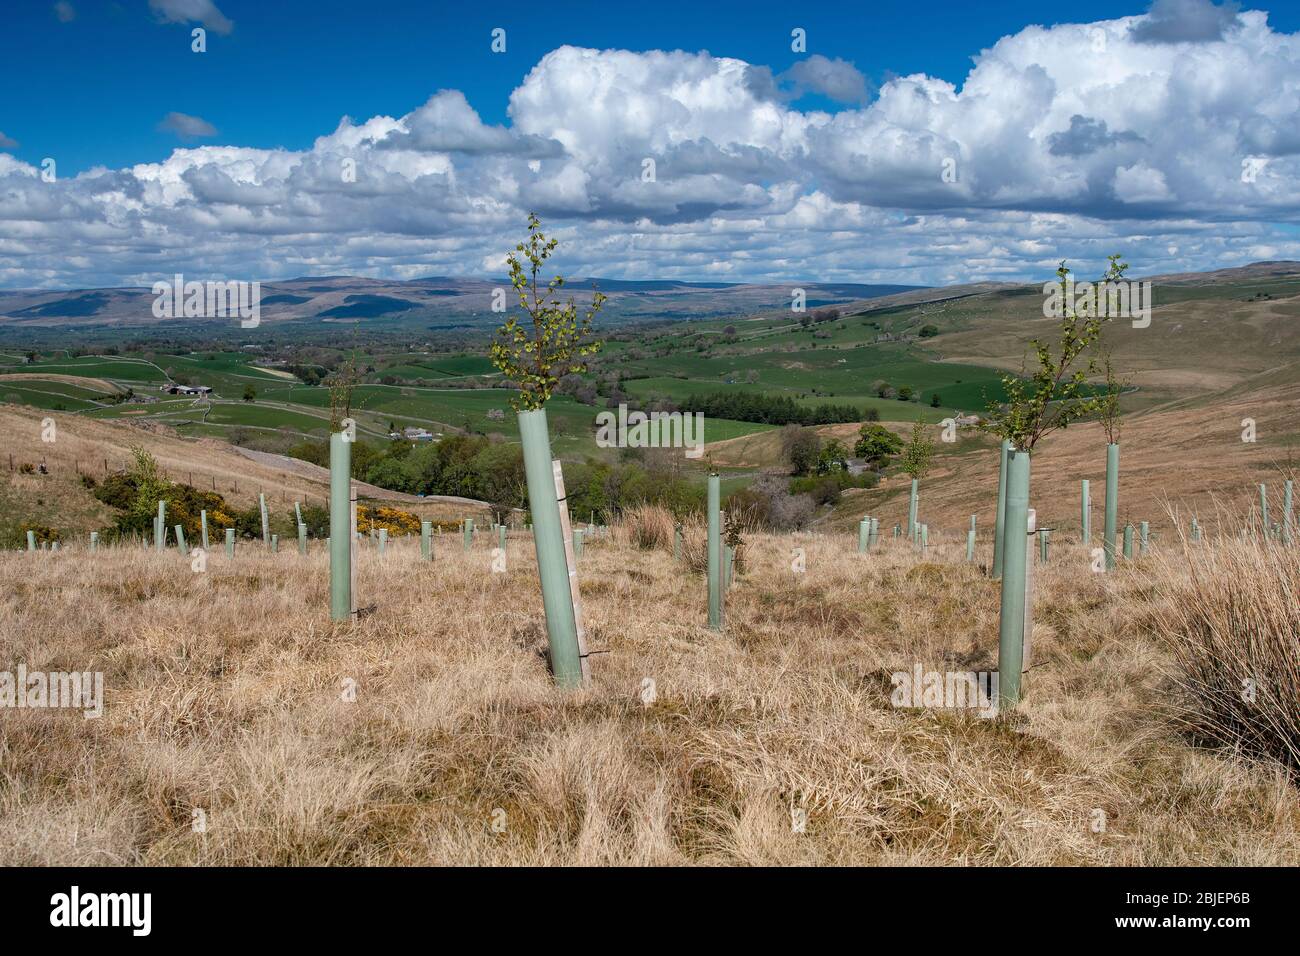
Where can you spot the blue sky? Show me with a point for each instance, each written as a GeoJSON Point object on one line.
{"type": "Point", "coordinates": [290, 68]}
{"type": "Point", "coordinates": [929, 144]}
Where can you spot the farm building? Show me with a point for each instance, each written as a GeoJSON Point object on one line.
{"type": "Point", "coordinates": [174, 389]}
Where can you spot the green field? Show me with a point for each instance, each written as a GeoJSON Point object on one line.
{"type": "Point", "coordinates": [52, 395]}
{"type": "Point", "coordinates": [840, 376]}
{"type": "Point", "coordinates": [281, 404]}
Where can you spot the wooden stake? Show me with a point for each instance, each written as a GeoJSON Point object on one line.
{"type": "Point", "coordinates": [566, 531]}
{"type": "Point", "coordinates": [352, 544]}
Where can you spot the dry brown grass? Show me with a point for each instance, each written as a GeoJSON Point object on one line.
{"type": "Point", "coordinates": [224, 694]}
{"type": "Point", "coordinates": [1193, 456]}
{"type": "Point", "coordinates": [1232, 626]}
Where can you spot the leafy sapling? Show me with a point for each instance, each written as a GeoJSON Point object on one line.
{"type": "Point", "coordinates": [1058, 392]}
{"type": "Point", "coordinates": [558, 341]}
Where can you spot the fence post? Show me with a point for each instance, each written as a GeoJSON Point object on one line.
{"type": "Point", "coordinates": [1112, 503]}
{"type": "Point", "coordinates": [1027, 643]}
{"type": "Point", "coordinates": [426, 540]}
{"type": "Point", "coordinates": [340, 528]}
{"type": "Point", "coordinates": [203, 528]}
{"type": "Point", "coordinates": [1011, 625]}
{"type": "Point", "coordinates": [230, 542]}
{"type": "Point", "coordinates": [715, 552]}
{"type": "Point", "coordinates": [1000, 520]}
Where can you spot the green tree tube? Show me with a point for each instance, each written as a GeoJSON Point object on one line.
{"type": "Point", "coordinates": [1011, 624]}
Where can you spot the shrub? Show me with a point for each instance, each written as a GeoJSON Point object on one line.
{"type": "Point", "coordinates": [801, 447]}
{"type": "Point", "coordinates": [44, 534]}
{"type": "Point", "coordinates": [393, 520]}
{"type": "Point", "coordinates": [876, 444]}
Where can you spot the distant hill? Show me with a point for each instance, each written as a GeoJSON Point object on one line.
{"type": "Point", "coordinates": [433, 303]}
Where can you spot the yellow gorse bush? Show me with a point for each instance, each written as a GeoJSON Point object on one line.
{"type": "Point", "coordinates": [392, 520]}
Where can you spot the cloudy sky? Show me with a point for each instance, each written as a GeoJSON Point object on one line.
{"type": "Point", "coordinates": [901, 143]}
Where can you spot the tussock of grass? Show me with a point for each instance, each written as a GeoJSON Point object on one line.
{"type": "Point", "coordinates": [224, 695]}
{"type": "Point", "coordinates": [1232, 626]}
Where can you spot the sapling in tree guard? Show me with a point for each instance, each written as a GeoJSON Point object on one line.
{"type": "Point", "coordinates": [1263, 510]}
{"type": "Point", "coordinates": [1085, 512]}
{"type": "Point", "coordinates": [714, 507]}
{"type": "Point", "coordinates": [916, 458]}
{"type": "Point", "coordinates": [550, 342]}
{"type": "Point", "coordinates": [1108, 409]}
{"type": "Point", "coordinates": [1286, 512]}
{"type": "Point", "coordinates": [1056, 394]}
{"type": "Point", "coordinates": [342, 433]}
